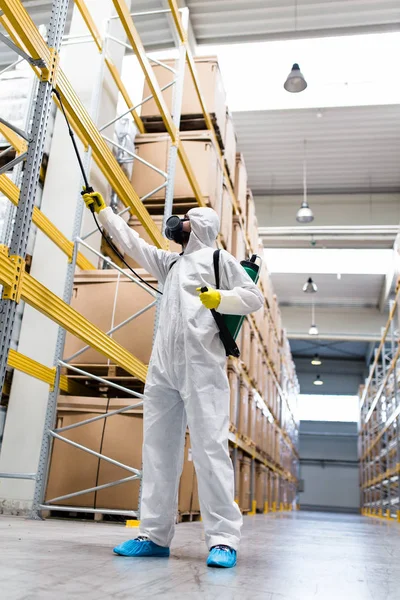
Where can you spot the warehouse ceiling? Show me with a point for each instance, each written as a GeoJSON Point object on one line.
{"type": "Point", "coordinates": [238, 21]}
{"type": "Point", "coordinates": [348, 149]}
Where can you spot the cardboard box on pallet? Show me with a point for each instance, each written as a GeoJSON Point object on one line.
{"type": "Point", "coordinates": [212, 89]}
{"type": "Point", "coordinates": [238, 240]}
{"type": "Point", "coordinates": [71, 469]}
{"type": "Point", "coordinates": [230, 146]}
{"type": "Point", "coordinates": [226, 219]}
{"type": "Point", "coordinates": [234, 384]}
{"type": "Point", "coordinates": [243, 413]}
{"type": "Point", "coordinates": [202, 155]}
{"type": "Point", "coordinates": [94, 296]}
{"type": "Point", "coordinates": [245, 482]}
{"type": "Point", "coordinates": [241, 184]}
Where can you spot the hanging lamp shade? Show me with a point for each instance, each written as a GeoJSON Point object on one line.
{"type": "Point", "coordinates": [316, 361]}
{"type": "Point", "coordinates": [310, 287]}
{"type": "Point", "coordinates": [295, 81]}
{"type": "Point", "coordinates": [313, 330]}
{"type": "Point", "coordinates": [304, 214]}
{"type": "Point", "coordinates": [318, 380]}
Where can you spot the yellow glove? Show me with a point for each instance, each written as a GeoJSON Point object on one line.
{"type": "Point", "coordinates": [94, 199]}
{"type": "Point", "coordinates": [211, 298]}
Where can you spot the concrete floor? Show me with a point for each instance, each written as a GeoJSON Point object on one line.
{"type": "Point", "coordinates": [300, 556]}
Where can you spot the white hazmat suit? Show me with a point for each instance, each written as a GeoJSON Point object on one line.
{"type": "Point", "coordinates": [187, 381]}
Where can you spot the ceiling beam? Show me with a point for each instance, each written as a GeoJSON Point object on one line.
{"type": "Point", "coordinates": [241, 38]}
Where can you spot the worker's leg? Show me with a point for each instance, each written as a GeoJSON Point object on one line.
{"type": "Point", "coordinates": [207, 410]}
{"type": "Point", "coordinates": [163, 444]}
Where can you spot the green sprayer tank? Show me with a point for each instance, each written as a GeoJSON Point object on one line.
{"type": "Point", "coordinates": [234, 322]}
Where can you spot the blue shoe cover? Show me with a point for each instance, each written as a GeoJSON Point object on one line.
{"type": "Point", "coordinates": [141, 546]}
{"type": "Point", "coordinates": [222, 556]}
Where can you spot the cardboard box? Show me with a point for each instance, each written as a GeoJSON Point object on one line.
{"type": "Point", "coordinates": [236, 466]}
{"type": "Point", "coordinates": [243, 416]}
{"type": "Point", "coordinates": [72, 469]}
{"type": "Point", "coordinates": [241, 184]}
{"type": "Point", "coordinates": [94, 297]}
{"type": "Point", "coordinates": [230, 142]}
{"type": "Point", "coordinates": [245, 350]}
{"type": "Point", "coordinates": [254, 345]}
{"type": "Point", "coordinates": [211, 86]}
{"type": "Point", "coordinates": [238, 240]}
{"type": "Point", "coordinates": [187, 479]}
{"type": "Point", "coordinates": [245, 483]}
{"type": "Point", "coordinates": [202, 154]}
{"type": "Point", "coordinates": [226, 219]}
{"type": "Point", "coordinates": [123, 441]}
{"type": "Point", "coordinates": [234, 383]}
{"type": "Point", "coordinates": [261, 487]}
{"type": "Point", "coordinates": [252, 408]}
{"type": "Point", "coordinates": [259, 425]}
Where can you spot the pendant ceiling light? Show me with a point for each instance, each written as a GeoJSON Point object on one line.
{"type": "Point", "coordinates": [313, 329]}
{"type": "Point", "coordinates": [316, 361]}
{"type": "Point", "coordinates": [310, 287]}
{"type": "Point", "coordinates": [295, 81]}
{"type": "Point", "coordinates": [318, 380]}
{"type": "Point", "coordinates": [304, 214]}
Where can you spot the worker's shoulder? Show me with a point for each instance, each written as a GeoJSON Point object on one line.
{"type": "Point", "coordinates": [227, 256]}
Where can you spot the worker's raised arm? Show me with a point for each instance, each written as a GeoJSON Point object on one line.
{"type": "Point", "coordinates": [239, 294]}
{"type": "Point", "coordinates": [154, 260]}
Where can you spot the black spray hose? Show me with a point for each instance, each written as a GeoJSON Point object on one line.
{"type": "Point", "coordinates": [89, 190]}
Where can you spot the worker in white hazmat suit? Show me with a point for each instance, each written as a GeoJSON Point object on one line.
{"type": "Point", "coordinates": [187, 383]}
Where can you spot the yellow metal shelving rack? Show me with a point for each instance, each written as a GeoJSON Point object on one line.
{"type": "Point", "coordinates": [17, 283]}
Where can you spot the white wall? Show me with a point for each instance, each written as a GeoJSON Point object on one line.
{"type": "Point", "coordinates": [332, 485]}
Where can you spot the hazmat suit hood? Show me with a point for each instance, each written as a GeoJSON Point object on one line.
{"type": "Point", "coordinates": [205, 225]}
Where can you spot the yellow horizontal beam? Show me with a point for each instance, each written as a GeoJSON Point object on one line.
{"type": "Point", "coordinates": [22, 29]}
{"type": "Point", "coordinates": [46, 302]}
{"type": "Point", "coordinates": [27, 365]}
{"type": "Point", "coordinates": [11, 191]}
{"type": "Point", "coordinates": [31, 367]}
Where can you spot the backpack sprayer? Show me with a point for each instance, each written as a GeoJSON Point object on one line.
{"type": "Point", "coordinates": [228, 325]}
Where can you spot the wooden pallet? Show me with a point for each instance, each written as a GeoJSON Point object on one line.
{"type": "Point", "coordinates": [112, 373]}
{"type": "Point", "coordinates": [188, 517]}
{"type": "Point", "coordinates": [83, 516]}
{"type": "Point", "coordinates": [189, 122]}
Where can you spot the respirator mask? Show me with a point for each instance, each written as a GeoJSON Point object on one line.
{"type": "Point", "coordinates": [174, 230]}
